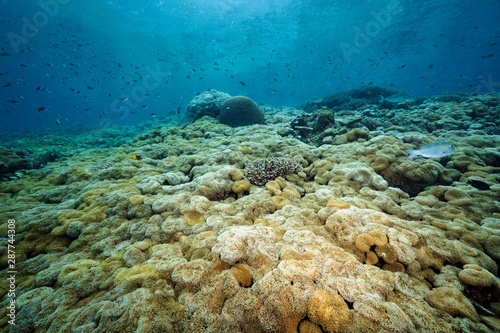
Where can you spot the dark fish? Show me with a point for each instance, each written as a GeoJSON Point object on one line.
{"type": "Point", "coordinates": [8, 84]}
{"type": "Point", "coordinates": [489, 55]}
{"type": "Point", "coordinates": [42, 108]}
{"type": "Point", "coordinates": [243, 83]}
{"type": "Point", "coordinates": [13, 101]}
{"type": "Point", "coordinates": [5, 54]}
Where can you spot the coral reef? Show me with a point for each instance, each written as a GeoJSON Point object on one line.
{"type": "Point", "coordinates": [348, 100]}
{"type": "Point", "coordinates": [310, 128]}
{"type": "Point", "coordinates": [361, 108]}
{"type": "Point", "coordinates": [205, 233]}
{"type": "Point", "coordinates": [13, 160]}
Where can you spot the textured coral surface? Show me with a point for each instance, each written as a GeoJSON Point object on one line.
{"type": "Point", "coordinates": [360, 240]}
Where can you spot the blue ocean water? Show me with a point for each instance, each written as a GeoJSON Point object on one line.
{"type": "Point", "coordinates": [66, 64]}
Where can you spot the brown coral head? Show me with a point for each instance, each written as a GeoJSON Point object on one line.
{"type": "Point", "coordinates": [240, 111]}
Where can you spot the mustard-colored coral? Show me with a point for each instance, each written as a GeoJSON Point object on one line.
{"type": "Point", "coordinates": [357, 134]}
{"type": "Point", "coordinates": [193, 218]}
{"type": "Point", "coordinates": [274, 187]}
{"type": "Point", "coordinates": [380, 163]}
{"type": "Point", "coordinates": [329, 311]}
{"type": "Point", "coordinates": [364, 242]}
{"type": "Point", "coordinates": [241, 186]}
{"type": "Point", "coordinates": [371, 258]}
{"type": "Point", "coordinates": [337, 203]}
{"type": "Point", "coordinates": [387, 252]}
{"type": "Point", "coordinates": [379, 237]}
{"type": "Point", "coordinates": [242, 274]}
{"type": "Point", "coordinates": [475, 275]}
{"type": "Point", "coordinates": [236, 175]}
{"type": "Point", "coordinates": [280, 202]}
{"type": "Point", "coordinates": [452, 301]}
{"type": "Point", "coordinates": [458, 197]}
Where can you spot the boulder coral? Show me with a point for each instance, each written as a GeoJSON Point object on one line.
{"type": "Point", "coordinates": [208, 103]}
{"type": "Point", "coordinates": [240, 111]}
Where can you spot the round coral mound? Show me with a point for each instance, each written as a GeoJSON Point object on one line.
{"type": "Point", "coordinates": [240, 111]}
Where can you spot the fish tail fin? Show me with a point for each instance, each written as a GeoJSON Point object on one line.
{"type": "Point", "coordinates": [411, 153]}
{"type": "Point", "coordinates": [382, 99]}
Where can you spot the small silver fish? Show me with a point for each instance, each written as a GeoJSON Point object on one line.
{"type": "Point", "coordinates": [317, 100]}
{"type": "Point", "coordinates": [435, 149]}
{"type": "Point", "coordinates": [395, 98]}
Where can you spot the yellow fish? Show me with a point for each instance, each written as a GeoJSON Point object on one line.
{"type": "Point", "coordinates": [135, 157]}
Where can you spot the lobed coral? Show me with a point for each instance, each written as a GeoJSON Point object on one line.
{"type": "Point", "coordinates": [179, 241]}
